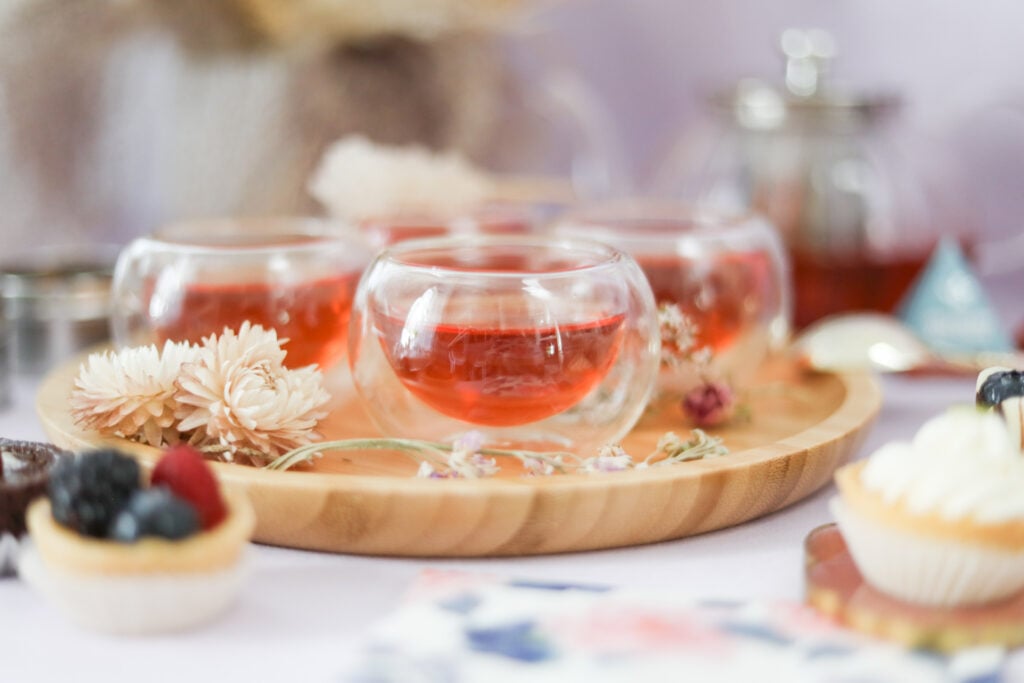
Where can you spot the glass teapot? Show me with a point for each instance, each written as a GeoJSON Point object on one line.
{"type": "Point", "coordinates": [828, 167]}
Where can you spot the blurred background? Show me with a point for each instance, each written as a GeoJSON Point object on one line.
{"type": "Point", "coordinates": [898, 124]}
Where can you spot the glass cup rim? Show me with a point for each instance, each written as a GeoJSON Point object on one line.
{"type": "Point", "coordinates": [483, 213]}
{"type": "Point", "coordinates": [622, 223]}
{"type": "Point", "coordinates": [282, 235]}
{"type": "Point", "coordinates": [610, 255]}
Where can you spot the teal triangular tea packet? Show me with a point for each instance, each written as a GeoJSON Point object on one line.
{"type": "Point", "coordinates": [948, 308]}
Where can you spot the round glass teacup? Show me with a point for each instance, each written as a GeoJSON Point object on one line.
{"type": "Point", "coordinates": [532, 342]}
{"type": "Point", "coordinates": [727, 274]}
{"type": "Point", "coordinates": [193, 279]}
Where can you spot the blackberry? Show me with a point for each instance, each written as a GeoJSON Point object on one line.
{"type": "Point", "coordinates": [1000, 386]}
{"type": "Point", "coordinates": [88, 490]}
{"type": "Point", "coordinates": [155, 512]}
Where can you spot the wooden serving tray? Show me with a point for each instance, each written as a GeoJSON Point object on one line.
{"type": "Point", "coordinates": [803, 426]}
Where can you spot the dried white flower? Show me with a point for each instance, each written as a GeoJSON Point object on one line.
{"type": "Point", "coordinates": [700, 445]}
{"type": "Point", "coordinates": [237, 397]}
{"type": "Point", "coordinates": [250, 344]}
{"type": "Point", "coordinates": [465, 461]}
{"type": "Point", "coordinates": [678, 335]}
{"type": "Point", "coordinates": [538, 467]}
{"type": "Point", "coordinates": [131, 393]}
{"type": "Point", "coordinates": [426, 471]}
{"type": "Point", "coordinates": [357, 179]}
{"type": "Point", "coordinates": [610, 458]}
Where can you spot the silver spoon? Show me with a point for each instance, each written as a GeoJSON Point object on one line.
{"type": "Point", "coordinates": [881, 343]}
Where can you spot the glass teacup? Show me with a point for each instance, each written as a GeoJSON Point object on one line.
{"type": "Point", "coordinates": [297, 276]}
{"type": "Point", "coordinates": [726, 274]}
{"type": "Point", "coordinates": [535, 343]}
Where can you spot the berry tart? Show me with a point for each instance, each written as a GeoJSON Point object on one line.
{"type": "Point", "coordinates": [120, 557]}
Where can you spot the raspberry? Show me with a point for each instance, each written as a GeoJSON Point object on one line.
{"type": "Point", "coordinates": [183, 471]}
{"type": "Point", "coordinates": [87, 491]}
{"type": "Point", "coordinates": [154, 512]}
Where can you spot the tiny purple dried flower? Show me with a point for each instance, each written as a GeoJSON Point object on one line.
{"type": "Point", "coordinates": [469, 443]}
{"type": "Point", "coordinates": [428, 471]}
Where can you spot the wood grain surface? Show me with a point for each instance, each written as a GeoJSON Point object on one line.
{"type": "Point", "coordinates": [802, 427]}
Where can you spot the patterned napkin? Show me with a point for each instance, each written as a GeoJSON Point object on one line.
{"type": "Point", "coordinates": [468, 627]}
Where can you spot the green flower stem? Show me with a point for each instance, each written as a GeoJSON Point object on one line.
{"type": "Point", "coordinates": [417, 448]}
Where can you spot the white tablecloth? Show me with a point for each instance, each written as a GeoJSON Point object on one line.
{"type": "Point", "coordinates": [302, 613]}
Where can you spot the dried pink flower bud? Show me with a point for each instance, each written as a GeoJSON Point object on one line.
{"type": "Point", "coordinates": [710, 404]}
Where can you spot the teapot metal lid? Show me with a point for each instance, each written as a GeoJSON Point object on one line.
{"type": "Point", "coordinates": [806, 96]}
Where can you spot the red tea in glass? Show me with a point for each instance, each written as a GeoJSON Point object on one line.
{"type": "Point", "coordinates": [535, 342]}
{"type": "Point", "coordinates": [313, 316]}
{"type": "Point", "coordinates": [502, 376]}
{"type": "Point", "coordinates": [828, 285]}
{"type": "Point", "coordinates": [725, 295]}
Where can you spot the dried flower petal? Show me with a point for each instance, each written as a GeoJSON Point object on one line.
{"type": "Point", "coordinates": [250, 344]}
{"type": "Point", "coordinates": [538, 467]}
{"type": "Point", "coordinates": [427, 471]}
{"type": "Point", "coordinates": [471, 465]}
{"type": "Point", "coordinates": [710, 404]}
{"type": "Point", "coordinates": [131, 393]}
{"type": "Point", "coordinates": [610, 458]}
{"type": "Point", "coordinates": [237, 395]}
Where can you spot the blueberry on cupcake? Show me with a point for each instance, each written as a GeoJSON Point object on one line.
{"type": "Point", "coordinates": [1002, 390]}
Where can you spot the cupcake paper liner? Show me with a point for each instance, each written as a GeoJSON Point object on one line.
{"type": "Point", "coordinates": [925, 570]}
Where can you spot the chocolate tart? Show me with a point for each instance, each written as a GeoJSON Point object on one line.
{"type": "Point", "coordinates": [24, 472]}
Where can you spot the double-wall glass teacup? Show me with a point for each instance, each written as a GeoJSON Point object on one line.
{"type": "Point", "coordinates": [535, 343]}
{"type": "Point", "coordinates": [297, 276]}
{"type": "Point", "coordinates": [726, 273]}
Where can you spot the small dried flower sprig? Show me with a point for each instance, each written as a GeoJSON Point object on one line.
{"type": "Point", "coordinates": [230, 396]}
{"type": "Point", "coordinates": [466, 458]}
{"type": "Point", "coordinates": [713, 401]}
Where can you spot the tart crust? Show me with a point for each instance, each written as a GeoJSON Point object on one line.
{"type": "Point", "coordinates": [1007, 536]}
{"type": "Point", "coordinates": [212, 550]}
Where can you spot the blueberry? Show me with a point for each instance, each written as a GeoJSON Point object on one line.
{"type": "Point", "coordinates": [88, 490]}
{"type": "Point", "coordinates": [1000, 386]}
{"type": "Point", "coordinates": [155, 512]}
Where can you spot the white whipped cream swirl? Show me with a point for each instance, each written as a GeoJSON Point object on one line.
{"type": "Point", "coordinates": [961, 464]}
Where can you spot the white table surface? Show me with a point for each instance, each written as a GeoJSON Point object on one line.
{"type": "Point", "coordinates": [302, 613]}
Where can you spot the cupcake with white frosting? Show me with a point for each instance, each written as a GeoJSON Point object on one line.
{"type": "Point", "coordinates": [939, 520]}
